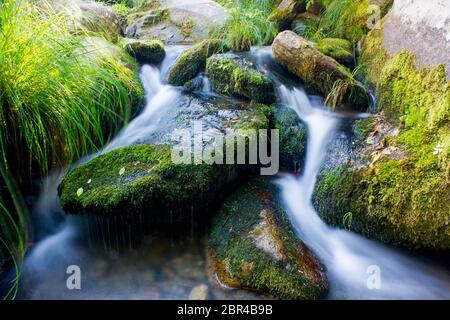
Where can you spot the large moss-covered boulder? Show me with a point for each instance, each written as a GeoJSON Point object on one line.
{"type": "Point", "coordinates": [320, 72]}
{"type": "Point", "coordinates": [142, 179]}
{"type": "Point", "coordinates": [340, 50]}
{"type": "Point", "coordinates": [286, 11]}
{"type": "Point", "coordinates": [395, 188]}
{"type": "Point", "coordinates": [230, 74]}
{"type": "Point", "coordinates": [146, 51]}
{"type": "Point", "coordinates": [252, 246]}
{"type": "Point", "coordinates": [192, 61]}
{"type": "Point", "coordinates": [176, 21]}
{"type": "Point", "coordinates": [293, 137]}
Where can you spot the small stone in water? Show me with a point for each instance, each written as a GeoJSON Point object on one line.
{"type": "Point", "coordinates": [199, 292]}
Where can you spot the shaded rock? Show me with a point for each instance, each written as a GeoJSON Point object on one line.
{"type": "Point", "coordinates": [229, 74]}
{"type": "Point", "coordinates": [286, 11]}
{"type": "Point", "coordinates": [192, 61]}
{"type": "Point", "coordinates": [319, 71]}
{"type": "Point", "coordinates": [293, 137]}
{"type": "Point", "coordinates": [175, 21]}
{"type": "Point", "coordinates": [340, 50]}
{"type": "Point", "coordinates": [252, 246]}
{"type": "Point", "coordinates": [303, 22]}
{"type": "Point", "coordinates": [93, 16]}
{"type": "Point", "coordinates": [146, 51]}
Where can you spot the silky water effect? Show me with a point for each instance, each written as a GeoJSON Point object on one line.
{"type": "Point", "coordinates": [114, 267]}
{"type": "Point", "coordinates": [112, 264]}
{"type": "Point", "coordinates": [349, 258]}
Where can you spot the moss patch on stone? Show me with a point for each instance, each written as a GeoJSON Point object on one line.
{"type": "Point", "coordinates": [404, 199]}
{"type": "Point", "coordinates": [228, 77]}
{"type": "Point", "coordinates": [293, 137]}
{"type": "Point", "coordinates": [146, 51]}
{"type": "Point", "coordinates": [142, 179]}
{"type": "Point", "coordinates": [340, 50]}
{"type": "Point", "coordinates": [193, 61]}
{"type": "Point", "coordinates": [252, 246]}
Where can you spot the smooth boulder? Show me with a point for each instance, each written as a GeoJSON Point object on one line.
{"type": "Point", "coordinates": [253, 246]}
{"type": "Point", "coordinates": [320, 72]}
{"type": "Point", "coordinates": [176, 21]}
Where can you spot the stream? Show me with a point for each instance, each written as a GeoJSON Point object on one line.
{"type": "Point", "coordinates": [116, 266]}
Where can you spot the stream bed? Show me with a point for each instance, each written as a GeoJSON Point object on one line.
{"type": "Point", "coordinates": [115, 266]}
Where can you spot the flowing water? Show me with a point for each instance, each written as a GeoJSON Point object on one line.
{"type": "Point", "coordinates": [113, 266]}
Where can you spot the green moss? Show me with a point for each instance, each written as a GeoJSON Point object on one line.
{"type": "Point", "coordinates": [363, 127]}
{"type": "Point", "coordinates": [140, 179]}
{"type": "Point", "coordinates": [405, 198]}
{"type": "Point", "coordinates": [193, 61]}
{"type": "Point", "coordinates": [228, 77]}
{"type": "Point", "coordinates": [147, 51]}
{"type": "Point", "coordinates": [239, 262]}
{"type": "Point", "coordinates": [293, 138]}
{"type": "Point", "coordinates": [339, 49]}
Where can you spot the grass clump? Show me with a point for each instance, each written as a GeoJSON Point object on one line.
{"type": "Point", "coordinates": [60, 97]}
{"type": "Point", "coordinates": [56, 94]}
{"type": "Point", "coordinates": [248, 24]}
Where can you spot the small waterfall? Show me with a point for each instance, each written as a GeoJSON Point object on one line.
{"type": "Point", "coordinates": [347, 256]}
{"type": "Point", "coordinates": [206, 84]}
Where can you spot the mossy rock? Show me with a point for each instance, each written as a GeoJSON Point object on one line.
{"type": "Point", "coordinates": [146, 51]}
{"type": "Point", "coordinates": [293, 137]}
{"type": "Point", "coordinates": [396, 190]}
{"type": "Point", "coordinates": [286, 11]}
{"type": "Point", "coordinates": [192, 61]}
{"type": "Point", "coordinates": [320, 72]}
{"type": "Point", "coordinates": [143, 179]}
{"type": "Point", "coordinates": [252, 246]}
{"type": "Point", "coordinates": [231, 75]}
{"type": "Point", "coordinates": [340, 50]}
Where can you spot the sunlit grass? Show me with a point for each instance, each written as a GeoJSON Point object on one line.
{"type": "Point", "coordinates": [248, 24]}
{"type": "Point", "coordinates": [59, 99]}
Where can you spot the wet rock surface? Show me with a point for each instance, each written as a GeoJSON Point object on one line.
{"type": "Point", "coordinates": [175, 21]}
{"type": "Point", "coordinates": [252, 246]}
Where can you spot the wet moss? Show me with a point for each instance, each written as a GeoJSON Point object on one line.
{"type": "Point", "coordinates": [293, 138]}
{"type": "Point", "coordinates": [403, 196]}
{"type": "Point", "coordinates": [284, 268]}
{"type": "Point", "coordinates": [340, 50]}
{"type": "Point", "coordinates": [140, 179]}
{"type": "Point", "coordinates": [228, 77]}
{"type": "Point", "coordinates": [146, 51]}
{"type": "Point", "coordinates": [193, 61]}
